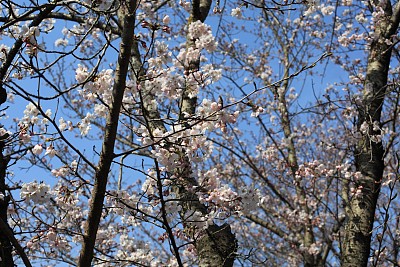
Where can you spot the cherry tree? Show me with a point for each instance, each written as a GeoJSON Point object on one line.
{"type": "Point", "coordinates": [178, 133]}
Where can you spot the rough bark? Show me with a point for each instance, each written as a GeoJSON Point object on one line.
{"type": "Point", "coordinates": [107, 153]}
{"type": "Point", "coordinates": [360, 209]}
{"type": "Point", "coordinates": [216, 247]}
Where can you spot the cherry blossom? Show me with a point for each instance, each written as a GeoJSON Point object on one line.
{"type": "Point", "coordinates": [36, 192]}
{"type": "Point", "coordinates": [176, 137]}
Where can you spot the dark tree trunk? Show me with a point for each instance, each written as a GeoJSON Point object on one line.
{"type": "Point", "coordinates": [6, 259]}
{"type": "Point", "coordinates": [360, 209]}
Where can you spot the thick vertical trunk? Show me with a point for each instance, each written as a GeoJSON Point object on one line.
{"type": "Point", "coordinates": [360, 209]}
{"type": "Point", "coordinates": [217, 247]}
{"type": "Point", "coordinates": [369, 161]}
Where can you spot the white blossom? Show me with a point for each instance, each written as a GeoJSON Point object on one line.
{"type": "Point", "coordinates": [50, 151]}
{"type": "Point", "coordinates": [35, 192]}
{"type": "Point", "coordinates": [37, 149]}
{"type": "Point", "coordinates": [166, 19]}
{"type": "Point", "coordinates": [237, 13]}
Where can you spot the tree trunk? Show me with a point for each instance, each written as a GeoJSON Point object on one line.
{"type": "Point", "coordinates": [216, 245]}
{"type": "Point", "coordinates": [6, 258]}
{"type": "Point", "coordinates": [360, 209]}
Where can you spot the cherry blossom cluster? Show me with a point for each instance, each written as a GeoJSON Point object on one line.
{"type": "Point", "coordinates": [38, 193]}
{"type": "Point", "coordinates": [145, 10]}
{"type": "Point", "coordinates": [66, 170]}
{"type": "Point", "coordinates": [202, 34]}
{"type": "Point", "coordinates": [31, 115]}
{"type": "Point", "coordinates": [99, 85]}
{"type": "Point", "coordinates": [168, 80]}
{"type": "Point", "coordinates": [222, 198]}
{"type": "Point", "coordinates": [374, 131]}
{"type": "Point", "coordinates": [198, 221]}
{"type": "Point", "coordinates": [314, 249]}
{"type": "Point", "coordinates": [95, 87]}
{"type": "Point", "coordinates": [190, 140]}
{"type": "Point", "coordinates": [50, 150]}
{"type": "Point", "coordinates": [4, 132]}
{"type": "Point", "coordinates": [29, 36]}
{"type": "Point", "coordinates": [57, 240]}
{"type": "Point", "coordinates": [139, 252]}
{"type": "Point", "coordinates": [311, 170]}
{"type": "Point", "coordinates": [185, 4]}
{"type": "Point", "coordinates": [120, 200]}
{"type": "Point", "coordinates": [215, 116]}
{"type": "Point", "coordinates": [51, 238]}
{"type": "Point", "coordinates": [237, 13]}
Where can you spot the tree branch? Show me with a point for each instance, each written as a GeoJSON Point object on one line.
{"type": "Point", "coordinates": [107, 153]}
